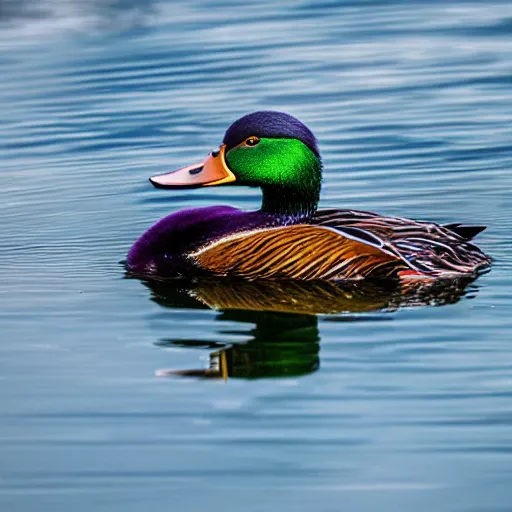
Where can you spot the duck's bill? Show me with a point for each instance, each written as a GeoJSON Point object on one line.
{"type": "Point", "coordinates": [212, 171]}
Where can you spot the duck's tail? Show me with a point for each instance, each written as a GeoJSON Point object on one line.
{"type": "Point", "coordinates": [464, 231]}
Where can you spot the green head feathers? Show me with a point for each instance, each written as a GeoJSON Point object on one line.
{"type": "Point", "coordinates": [288, 172]}
{"type": "Point", "coordinates": [278, 153]}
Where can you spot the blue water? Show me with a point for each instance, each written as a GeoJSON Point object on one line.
{"type": "Point", "coordinates": [387, 409]}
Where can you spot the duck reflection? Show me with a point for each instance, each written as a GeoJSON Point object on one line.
{"type": "Point", "coordinates": [284, 335]}
{"type": "Point", "coordinates": [280, 345]}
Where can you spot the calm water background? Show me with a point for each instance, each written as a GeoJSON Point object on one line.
{"type": "Point", "coordinates": [412, 103]}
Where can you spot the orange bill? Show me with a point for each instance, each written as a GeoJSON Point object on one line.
{"type": "Point", "coordinates": [213, 170]}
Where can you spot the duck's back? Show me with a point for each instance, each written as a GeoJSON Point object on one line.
{"type": "Point", "coordinates": [427, 248]}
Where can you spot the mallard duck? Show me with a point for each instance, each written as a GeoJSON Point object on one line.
{"type": "Point", "coordinates": [288, 237]}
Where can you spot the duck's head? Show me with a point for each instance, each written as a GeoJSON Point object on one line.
{"type": "Point", "coordinates": [271, 150]}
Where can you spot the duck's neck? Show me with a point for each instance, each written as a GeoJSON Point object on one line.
{"type": "Point", "coordinates": [291, 202]}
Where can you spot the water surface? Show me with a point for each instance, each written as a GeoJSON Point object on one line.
{"type": "Point", "coordinates": [393, 408]}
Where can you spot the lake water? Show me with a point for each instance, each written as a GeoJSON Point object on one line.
{"type": "Point", "coordinates": [378, 408]}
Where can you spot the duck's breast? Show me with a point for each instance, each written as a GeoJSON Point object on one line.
{"type": "Point", "coordinates": [163, 248]}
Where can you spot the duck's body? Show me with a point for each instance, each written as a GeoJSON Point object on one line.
{"type": "Point", "coordinates": [289, 238]}
{"type": "Point", "coordinates": [332, 245]}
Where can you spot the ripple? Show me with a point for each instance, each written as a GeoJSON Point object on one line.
{"type": "Point", "coordinates": [411, 103]}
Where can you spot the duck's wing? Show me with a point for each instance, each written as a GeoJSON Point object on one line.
{"type": "Point", "coordinates": [427, 248]}
{"type": "Point", "coordinates": [300, 251]}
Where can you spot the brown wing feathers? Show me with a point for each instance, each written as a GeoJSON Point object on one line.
{"type": "Point", "coordinates": [345, 244]}
{"type": "Point", "coordinates": [296, 252]}
{"type": "Point", "coordinates": [429, 248]}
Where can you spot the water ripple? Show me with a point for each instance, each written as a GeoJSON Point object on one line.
{"type": "Point", "coordinates": [389, 410]}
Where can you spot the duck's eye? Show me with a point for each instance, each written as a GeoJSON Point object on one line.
{"type": "Point", "coordinates": [252, 141]}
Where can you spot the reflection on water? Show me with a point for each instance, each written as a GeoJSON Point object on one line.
{"type": "Point", "coordinates": [279, 345]}
{"type": "Point", "coordinates": [284, 341]}
{"type": "Point", "coordinates": [307, 297]}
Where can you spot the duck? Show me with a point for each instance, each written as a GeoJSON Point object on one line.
{"type": "Point", "coordinates": [289, 237]}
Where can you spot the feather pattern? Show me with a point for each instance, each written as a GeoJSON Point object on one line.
{"type": "Point", "coordinates": [428, 248]}
{"type": "Point", "coordinates": [298, 251]}
{"type": "Point", "coordinates": [343, 244]}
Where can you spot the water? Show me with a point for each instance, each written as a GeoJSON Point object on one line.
{"type": "Point", "coordinates": [399, 409]}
